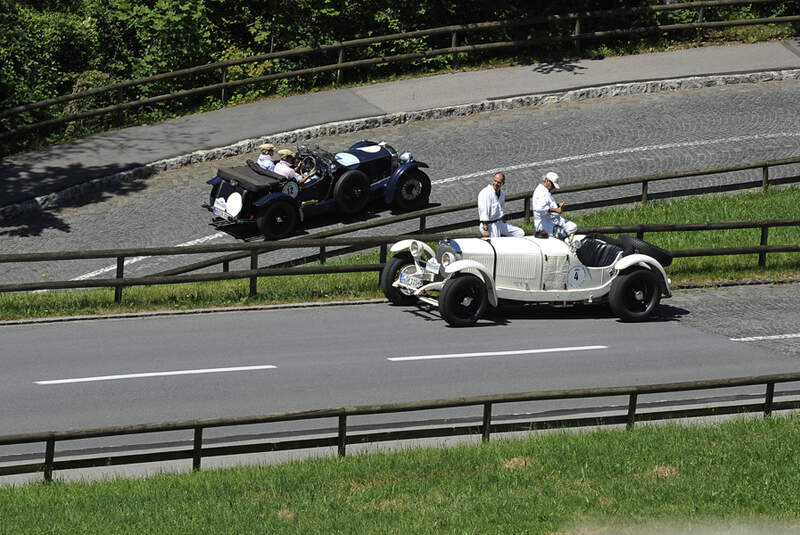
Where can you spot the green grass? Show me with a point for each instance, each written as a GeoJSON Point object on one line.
{"type": "Point", "coordinates": [738, 473]}
{"type": "Point", "coordinates": [776, 204]}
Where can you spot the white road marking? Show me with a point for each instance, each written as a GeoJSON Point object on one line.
{"type": "Point", "coordinates": [136, 259]}
{"type": "Point", "coordinates": [771, 337]}
{"type": "Point", "coordinates": [152, 374]}
{"type": "Point", "coordinates": [496, 353]}
{"type": "Point", "coordinates": [630, 150]}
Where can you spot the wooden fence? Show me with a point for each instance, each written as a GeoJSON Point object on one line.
{"type": "Point", "coordinates": [330, 246]}
{"type": "Point", "coordinates": [343, 438]}
{"type": "Point", "coordinates": [225, 85]}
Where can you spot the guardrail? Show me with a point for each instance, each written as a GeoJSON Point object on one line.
{"type": "Point", "coordinates": [342, 438]}
{"type": "Point", "coordinates": [576, 37]}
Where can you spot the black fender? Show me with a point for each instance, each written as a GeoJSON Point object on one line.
{"type": "Point", "coordinates": [391, 186]}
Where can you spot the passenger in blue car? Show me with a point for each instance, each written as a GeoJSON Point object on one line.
{"type": "Point", "coordinates": [265, 160]}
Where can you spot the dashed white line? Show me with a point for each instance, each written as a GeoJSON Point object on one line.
{"type": "Point", "coordinates": [152, 374]}
{"type": "Point", "coordinates": [770, 337]}
{"type": "Point", "coordinates": [137, 259]}
{"type": "Point", "coordinates": [629, 150]}
{"type": "Point", "coordinates": [496, 353]}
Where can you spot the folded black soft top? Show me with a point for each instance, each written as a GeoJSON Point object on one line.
{"type": "Point", "coordinates": [249, 179]}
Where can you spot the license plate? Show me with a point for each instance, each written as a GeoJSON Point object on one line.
{"type": "Point", "coordinates": [432, 266]}
{"type": "Point", "coordinates": [410, 280]}
{"type": "Point", "coordinates": [219, 212]}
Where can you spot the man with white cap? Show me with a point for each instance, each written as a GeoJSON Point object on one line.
{"type": "Point", "coordinates": [491, 202]}
{"type": "Point", "coordinates": [265, 160]}
{"type": "Point", "coordinates": [546, 211]}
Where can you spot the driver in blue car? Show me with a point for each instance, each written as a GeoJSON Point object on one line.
{"type": "Point", "coordinates": [286, 167]}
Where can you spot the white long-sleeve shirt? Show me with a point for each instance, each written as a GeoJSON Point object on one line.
{"type": "Point", "coordinates": [541, 202]}
{"type": "Point", "coordinates": [265, 162]}
{"type": "Point", "coordinates": [490, 205]}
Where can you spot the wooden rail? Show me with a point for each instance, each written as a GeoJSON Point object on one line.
{"type": "Point", "coordinates": [344, 436]}
{"type": "Point", "coordinates": [454, 30]}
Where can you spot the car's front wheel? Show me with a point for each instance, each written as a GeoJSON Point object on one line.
{"type": "Point", "coordinates": [463, 300]}
{"type": "Point", "coordinates": [413, 191]}
{"type": "Point", "coordinates": [401, 263]}
{"type": "Point", "coordinates": [635, 295]}
{"type": "Point", "coordinates": [277, 220]}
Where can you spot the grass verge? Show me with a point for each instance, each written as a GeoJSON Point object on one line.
{"type": "Point", "coordinates": [681, 478]}
{"type": "Point", "coordinates": [776, 204]}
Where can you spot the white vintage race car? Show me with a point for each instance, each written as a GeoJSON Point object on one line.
{"type": "Point", "coordinates": [465, 276]}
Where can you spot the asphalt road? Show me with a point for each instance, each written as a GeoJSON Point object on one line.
{"type": "Point", "coordinates": [585, 141]}
{"type": "Point", "coordinates": [67, 375]}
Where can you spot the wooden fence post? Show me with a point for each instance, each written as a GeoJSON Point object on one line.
{"type": "Point", "coordinates": [765, 178]}
{"type": "Point", "coordinates": [762, 257]}
{"type": "Point", "coordinates": [632, 410]}
{"type": "Point", "coordinates": [197, 450]}
{"type": "Point", "coordinates": [342, 435]}
{"type": "Point", "coordinates": [120, 275]}
{"type": "Point", "coordinates": [339, 61]}
{"type": "Point", "coordinates": [575, 35]}
{"type": "Point", "coordinates": [644, 192]}
{"type": "Point", "coordinates": [254, 278]}
{"type": "Point", "coordinates": [487, 422]}
{"type": "Point", "coordinates": [527, 209]}
{"type": "Point", "coordinates": [768, 399]}
{"type": "Point", "coordinates": [322, 254]}
{"type": "Point", "coordinates": [224, 79]}
{"type": "Point", "coordinates": [49, 459]}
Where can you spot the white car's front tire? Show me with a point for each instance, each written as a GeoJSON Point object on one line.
{"type": "Point", "coordinates": [463, 300]}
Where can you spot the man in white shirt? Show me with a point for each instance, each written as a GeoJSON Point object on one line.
{"type": "Point", "coordinates": [491, 202]}
{"type": "Point", "coordinates": [546, 211]}
{"type": "Point", "coordinates": [265, 160]}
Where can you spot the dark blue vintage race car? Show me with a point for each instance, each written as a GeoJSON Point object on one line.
{"type": "Point", "coordinates": [344, 182]}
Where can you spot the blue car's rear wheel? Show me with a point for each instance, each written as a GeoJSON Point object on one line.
{"type": "Point", "coordinates": [351, 192]}
{"type": "Point", "coordinates": [277, 220]}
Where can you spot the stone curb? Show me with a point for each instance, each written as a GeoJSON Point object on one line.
{"type": "Point", "coordinates": [394, 119]}
{"type": "Point", "coordinates": [162, 313]}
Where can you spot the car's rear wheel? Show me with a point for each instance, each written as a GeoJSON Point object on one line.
{"type": "Point", "coordinates": [413, 190]}
{"type": "Point", "coordinates": [351, 192]}
{"type": "Point", "coordinates": [635, 295]}
{"type": "Point", "coordinates": [399, 263]}
{"type": "Point", "coordinates": [277, 220]}
{"type": "Point", "coordinates": [463, 300]}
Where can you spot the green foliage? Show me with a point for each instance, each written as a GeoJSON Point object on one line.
{"type": "Point", "coordinates": [51, 47]}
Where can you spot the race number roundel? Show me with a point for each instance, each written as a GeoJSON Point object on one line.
{"type": "Point", "coordinates": [291, 189]}
{"type": "Point", "coordinates": [576, 276]}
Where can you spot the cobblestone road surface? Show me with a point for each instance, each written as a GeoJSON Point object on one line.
{"type": "Point", "coordinates": [585, 141]}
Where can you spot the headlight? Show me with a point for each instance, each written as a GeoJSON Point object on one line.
{"type": "Point", "coordinates": [448, 258]}
{"type": "Point", "coordinates": [415, 249]}
{"type": "Point", "coordinates": [406, 157]}
{"type": "Point", "coordinates": [233, 205]}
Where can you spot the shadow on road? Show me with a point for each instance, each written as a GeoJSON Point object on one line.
{"type": "Point", "coordinates": [558, 66]}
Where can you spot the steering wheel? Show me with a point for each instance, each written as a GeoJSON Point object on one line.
{"type": "Point", "coordinates": [308, 165]}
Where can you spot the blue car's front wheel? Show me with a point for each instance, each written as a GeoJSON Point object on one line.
{"type": "Point", "coordinates": [413, 191]}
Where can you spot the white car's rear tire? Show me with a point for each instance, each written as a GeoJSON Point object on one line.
{"type": "Point", "coordinates": [635, 295]}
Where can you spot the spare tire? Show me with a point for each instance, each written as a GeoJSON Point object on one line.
{"type": "Point", "coordinates": [351, 192]}
{"type": "Point", "coordinates": [642, 247]}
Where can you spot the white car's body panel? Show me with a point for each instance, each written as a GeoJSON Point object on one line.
{"type": "Point", "coordinates": [527, 269]}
